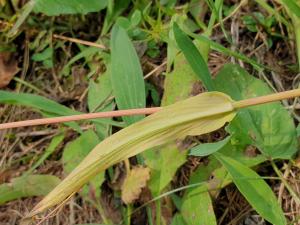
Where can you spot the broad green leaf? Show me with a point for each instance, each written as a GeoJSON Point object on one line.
{"type": "Point", "coordinates": [195, 116]}
{"type": "Point", "coordinates": [293, 6]}
{"type": "Point", "coordinates": [254, 189]}
{"type": "Point", "coordinates": [27, 186]}
{"type": "Point", "coordinates": [194, 57]}
{"type": "Point", "coordinates": [197, 204]}
{"type": "Point", "coordinates": [208, 148]}
{"type": "Point", "coordinates": [269, 127]}
{"type": "Point", "coordinates": [126, 74]}
{"type": "Point", "coordinates": [178, 220]}
{"type": "Point", "coordinates": [76, 151]}
{"type": "Point", "coordinates": [58, 7]}
{"type": "Point", "coordinates": [180, 82]}
{"type": "Point", "coordinates": [163, 162]}
{"type": "Point", "coordinates": [133, 183]}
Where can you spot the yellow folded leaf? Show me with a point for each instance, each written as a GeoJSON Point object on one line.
{"type": "Point", "coordinates": [135, 180]}
{"type": "Point", "coordinates": [197, 115]}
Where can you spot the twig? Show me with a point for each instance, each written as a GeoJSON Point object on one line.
{"type": "Point", "coordinates": [63, 119]}
{"type": "Point", "coordinates": [75, 40]}
{"type": "Point", "coordinates": [145, 111]}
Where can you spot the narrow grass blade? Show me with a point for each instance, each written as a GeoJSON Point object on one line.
{"type": "Point", "coordinates": [197, 115]}
{"type": "Point", "coordinates": [49, 150]}
{"type": "Point", "coordinates": [194, 57]}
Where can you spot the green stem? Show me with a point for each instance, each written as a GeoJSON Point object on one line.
{"type": "Point", "coordinates": [158, 212]}
{"type": "Point", "coordinates": [128, 216]}
{"type": "Point", "coordinates": [296, 23]}
{"type": "Point", "coordinates": [149, 215]}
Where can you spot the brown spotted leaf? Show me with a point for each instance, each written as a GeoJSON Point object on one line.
{"type": "Point", "coordinates": [134, 182]}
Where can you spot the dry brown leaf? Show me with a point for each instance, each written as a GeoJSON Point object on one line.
{"type": "Point", "coordinates": [134, 182]}
{"type": "Point", "coordinates": [8, 68]}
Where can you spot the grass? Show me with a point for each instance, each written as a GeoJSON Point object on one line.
{"type": "Point", "coordinates": [136, 54]}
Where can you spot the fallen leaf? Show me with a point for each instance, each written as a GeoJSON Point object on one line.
{"type": "Point", "coordinates": [134, 182]}
{"type": "Point", "coordinates": [8, 68]}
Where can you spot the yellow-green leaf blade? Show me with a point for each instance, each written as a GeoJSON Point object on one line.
{"type": "Point", "coordinates": [195, 116]}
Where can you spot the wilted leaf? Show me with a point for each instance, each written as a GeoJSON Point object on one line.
{"type": "Point", "coordinates": [133, 183]}
{"type": "Point", "coordinates": [195, 116]}
{"type": "Point", "coordinates": [269, 127]}
{"type": "Point", "coordinates": [27, 186]}
{"type": "Point", "coordinates": [126, 74]}
{"type": "Point", "coordinates": [58, 7]}
{"type": "Point", "coordinates": [254, 189]}
{"type": "Point", "coordinates": [8, 68]}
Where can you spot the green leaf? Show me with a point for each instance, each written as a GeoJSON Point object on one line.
{"type": "Point", "coordinates": [76, 151]}
{"type": "Point", "coordinates": [269, 127]}
{"type": "Point", "coordinates": [197, 204]}
{"type": "Point", "coordinates": [27, 186]}
{"type": "Point", "coordinates": [46, 106]}
{"type": "Point", "coordinates": [293, 6]}
{"type": "Point", "coordinates": [178, 220]}
{"type": "Point", "coordinates": [127, 75]}
{"type": "Point", "coordinates": [208, 148]}
{"type": "Point", "coordinates": [194, 57]}
{"type": "Point", "coordinates": [254, 189]}
{"type": "Point", "coordinates": [57, 7]}
{"type": "Point", "coordinates": [99, 92]}
{"type": "Point", "coordinates": [49, 150]}
{"type": "Point", "coordinates": [163, 164]}
{"type": "Point", "coordinates": [114, 9]}
{"type": "Point", "coordinates": [38, 102]}
{"type": "Point", "coordinates": [180, 82]}
{"type": "Point", "coordinates": [46, 56]}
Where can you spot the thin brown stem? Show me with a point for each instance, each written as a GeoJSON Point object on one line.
{"type": "Point", "coordinates": [266, 99]}
{"type": "Point", "coordinates": [63, 119]}
{"type": "Point", "coordinates": [75, 40]}
{"type": "Point", "coordinates": [145, 111]}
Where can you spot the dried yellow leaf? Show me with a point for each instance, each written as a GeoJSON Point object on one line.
{"type": "Point", "coordinates": [135, 180]}
{"type": "Point", "coordinates": [197, 115]}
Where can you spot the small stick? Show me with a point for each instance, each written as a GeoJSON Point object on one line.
{"type": "Point", "coordinates": [266, 99]}
{"type": "Point", "coordinates": [63, 119]}
{"type": "Point", "coordinates": [145, 111]}
{"type": "Point", "coordinates": [75, 40]}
